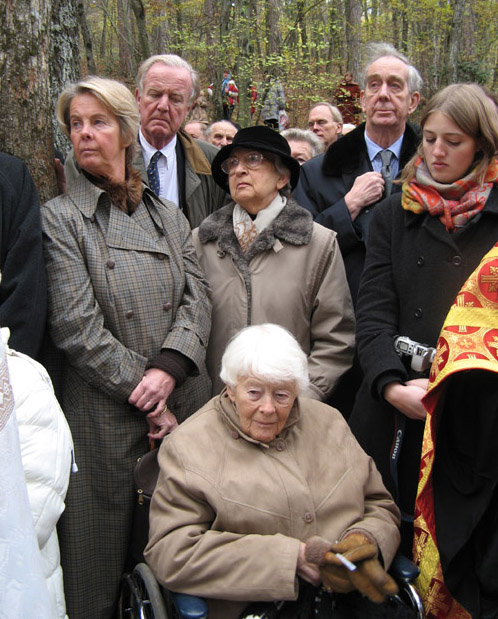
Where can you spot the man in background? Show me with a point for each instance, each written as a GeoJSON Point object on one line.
{"type": "Point", "coordinates": [304, 144]}
{"type": "Point", "coordinates": [177, 167]}
{"type": "Point", "coordinates": [195, 129]}
{"type": "Point", "coordinates": [325, 121]}
{"type": "Point", "coordinates": [347, 96]}
{"type": "Point", "coordinates": [341, 187]}
{"type": "Point", "coordinates": [221, 133]}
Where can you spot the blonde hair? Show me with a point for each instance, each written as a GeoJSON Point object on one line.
{"type": "Point", "coordinates": [472, 110]}
{"type": "Point", "coordinates": [115, 96]}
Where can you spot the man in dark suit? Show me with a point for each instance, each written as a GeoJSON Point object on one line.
{"type": "Point", "coordinates": [341, 186]}
{"type": "Point", "coordinates": [176, 166]}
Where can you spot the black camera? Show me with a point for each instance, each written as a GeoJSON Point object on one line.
{"type": "Point", "coordinates": [421, 356]}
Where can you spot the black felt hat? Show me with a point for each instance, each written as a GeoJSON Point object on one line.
{"type": "Point", "coordinates": [261, 139]}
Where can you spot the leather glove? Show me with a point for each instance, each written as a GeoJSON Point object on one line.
{"type": "Point", "coordinates": [369, 577]}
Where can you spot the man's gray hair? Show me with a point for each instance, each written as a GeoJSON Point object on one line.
{"type": "Point", "coordinates": [381, 50]}
{"type": "Point", "coordinates": [170, 60]}
{"type": "Point", "coordinates": [223, 120]}
{"type": "Point", "coordinates": [336, 113]}
{"type": "Point", "coordinates": [304, 135]}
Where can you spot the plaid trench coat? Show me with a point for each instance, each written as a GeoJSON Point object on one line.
{"type": "Point", "coordinates": [120, 288]}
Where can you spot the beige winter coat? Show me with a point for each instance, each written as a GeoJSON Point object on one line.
{"type": "Point", "coordinates": [292, 275]}
{"type": "Point", "coordinates": [228, 512]}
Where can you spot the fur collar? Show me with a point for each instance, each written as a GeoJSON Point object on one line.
{"type": "Point", "coordinates": [346, 154]}
{"type": "Point", "coordinates": [126, 196]}
{"type": "Point", "coordinates": [293, 225]}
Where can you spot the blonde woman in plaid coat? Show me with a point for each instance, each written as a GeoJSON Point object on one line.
{"type": "Point", "coordinates": [129, 308]}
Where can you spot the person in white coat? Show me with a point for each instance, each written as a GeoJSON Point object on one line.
{"type": "Point", "coordinates": [46, 452]}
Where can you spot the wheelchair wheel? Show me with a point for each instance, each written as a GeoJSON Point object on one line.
{"type": "Point", "coordinates": [410, 597]}
{"type": "Point", "coordinates": [140, 596]}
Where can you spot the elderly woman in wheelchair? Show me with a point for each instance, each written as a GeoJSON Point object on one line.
{"type": "Point", "coordinates": [265, 497]}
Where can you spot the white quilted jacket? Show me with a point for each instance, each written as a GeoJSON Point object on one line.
{"type": "Point", "coordinates": [46, 451]}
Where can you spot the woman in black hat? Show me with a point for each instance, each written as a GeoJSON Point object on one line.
{"type": "Point", "coordinates": [266, 261]}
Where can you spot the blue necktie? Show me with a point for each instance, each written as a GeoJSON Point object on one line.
{"type": "Point", "coordinates": [153, 173]}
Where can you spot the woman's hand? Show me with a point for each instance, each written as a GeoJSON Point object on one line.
{"type": "Point", "coordinates": [307, 571]}
{"type": "Point", "coordinates": [161, 423]}
{"type": "Point", "coordinates": [153, 390]}
{"type": "Point", "coordinates": [408, 398]}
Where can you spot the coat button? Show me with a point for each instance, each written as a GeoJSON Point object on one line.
{"type": "Point", "coordinates": [92, 219]}
{"type": "Point", "coordinates": [418, 312]}
{"type": "Point", "coordinates": [308, 517]}
{"type": "Point", "coordinates": [420, 261]}
{"type": "Point", "coordinates": [167, 307]}
{"type": "Point", "coordinates": [280, 445]}
{"type": "Point", "coordinates": [161, 256]}
{"type": "Point", "coordinates": [129, 314]}
{"type": "Point", "coordinates": [235, 435]}
{"type": "Point", "coordinates": [457, 260]}
{"type": "Point", "coordinates": [110, 264]}
{"type": "Point", "coordinates": [220, 254]}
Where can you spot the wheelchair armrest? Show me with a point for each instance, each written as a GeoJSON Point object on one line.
{"type": "Point", "coordinates": [404, 569]}
{"type": "Point", "coordinates": [189, 606]}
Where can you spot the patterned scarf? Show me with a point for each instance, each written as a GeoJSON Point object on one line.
{"type": "Point", "coordinates": [247, 229]}
{"type": "Point", "coordinates": [456, 203]}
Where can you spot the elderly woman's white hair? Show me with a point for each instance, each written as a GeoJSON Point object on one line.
{"type": "Point", "coordinates": [115, 96]}
{"type": "Point", "coordinates": [268, 352]}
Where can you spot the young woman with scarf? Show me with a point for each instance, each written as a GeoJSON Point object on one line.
{"type": "Point", "coordinates": [423, 245]}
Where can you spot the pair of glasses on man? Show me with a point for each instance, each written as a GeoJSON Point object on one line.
{"type": "Point", "coordinates": [250, 160]}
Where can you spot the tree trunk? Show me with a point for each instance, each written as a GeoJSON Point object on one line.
{"type": "Point", "coordinates": [455, 37]}
{"type": "Point", "coordinates": [209, 15]}
{"type": "Point", "coordinates": [139, 12]}
{"type": "Point", "coordinates": [26, 112]}
{"type": "Point", "coordinates": [353, 35]}
{"type": "Point", "coordinates": [65, 64]}
{"type": "Point", "coordinates": [244, 66]}
{"type": "Point", "coordinates": [125, 40]}
{"type": "Point", "coordinates": [87, 38]}
{"type": "Point", "coordinates": [225, 32]}
{"type": "Point", "coordinates": [273, 28]}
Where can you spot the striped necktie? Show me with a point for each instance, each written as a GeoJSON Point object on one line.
{"type": "Point", "coordinates": [153, 173]}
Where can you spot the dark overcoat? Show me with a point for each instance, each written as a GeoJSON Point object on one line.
{"type": "Point", "coordinates": [326, 179]}
{"type": "Point", "coordinates": [23, 290]}
{"type": "Point", "coordinates": [413, 271]}
{"type": "Point", "coordinates": [121, 288]}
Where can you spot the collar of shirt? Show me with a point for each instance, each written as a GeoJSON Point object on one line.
{"type": "Point", "coordinates": [148, 150]}
{"type": "Point", "coordinates": [374, 154]}
{"type": "Point", "coordinates": [166, 167]}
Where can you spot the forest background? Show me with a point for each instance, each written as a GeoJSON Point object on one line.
{"type": "Point", "coordinates": [309, 44]}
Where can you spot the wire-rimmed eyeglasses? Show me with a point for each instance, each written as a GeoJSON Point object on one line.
{"type": "Point", "coordinates": [249, 160]}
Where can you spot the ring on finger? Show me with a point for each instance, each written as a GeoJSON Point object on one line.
{"type": "Point", "coordinates": [163, 411]}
